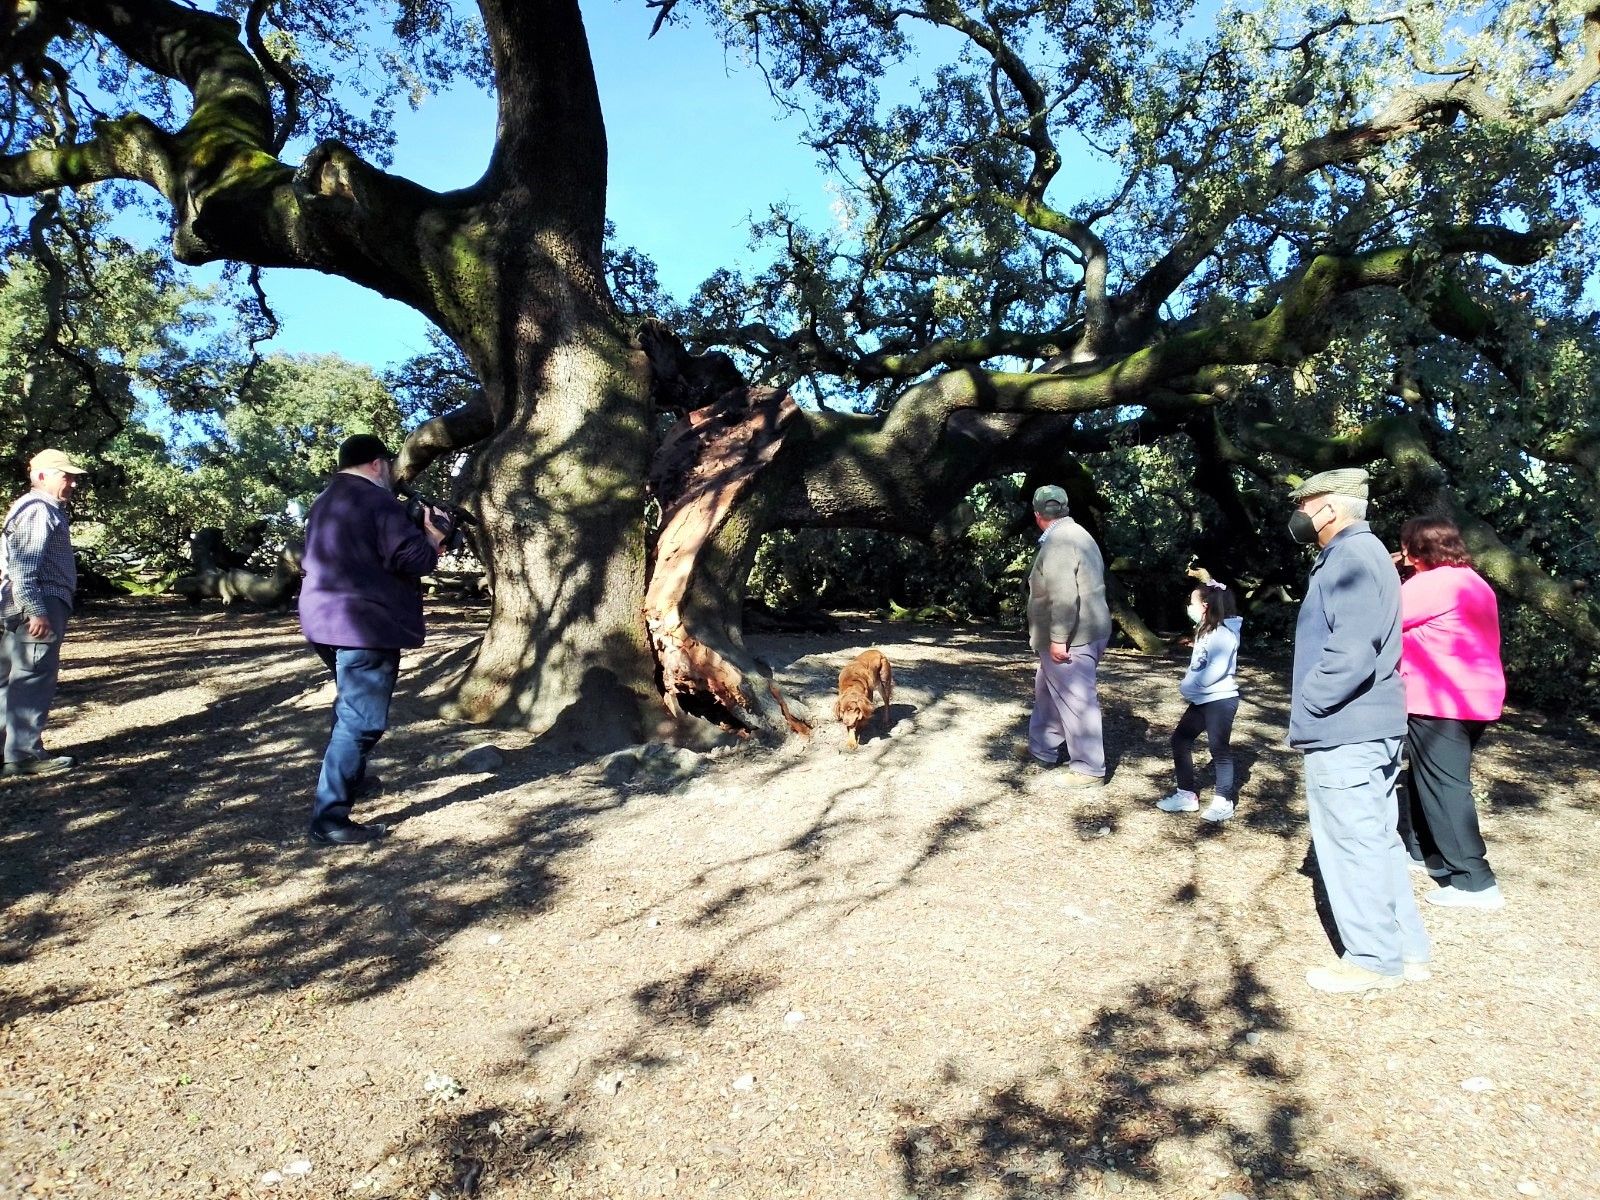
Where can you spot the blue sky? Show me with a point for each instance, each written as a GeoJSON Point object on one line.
{"type": "Point", "coordinates": [697, 148]}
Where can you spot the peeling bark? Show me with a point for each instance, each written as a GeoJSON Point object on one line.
{"type": "Point", "coordinates": [712, 478]}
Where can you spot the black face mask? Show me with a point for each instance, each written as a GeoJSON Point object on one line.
{"type": "Point", "coordinates": [1302, 528]}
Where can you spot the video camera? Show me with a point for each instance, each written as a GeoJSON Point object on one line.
{"type": "Point", "coordinates": [450, 519]}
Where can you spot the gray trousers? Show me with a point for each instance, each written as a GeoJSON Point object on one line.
{"type": "Point", "coordinates": [1066, 726]}
{"type": "Point", "coordinates": [28, 670]}
{"type": "Point", "coordinates": [1350, 794]}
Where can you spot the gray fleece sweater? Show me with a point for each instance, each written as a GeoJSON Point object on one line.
{"type": "Point", "coordinates": [1212, 665]}
{"type": "Point", "coordinates": [1067, 589]}
{"type": "Point", "coordinates": [1347, 684]}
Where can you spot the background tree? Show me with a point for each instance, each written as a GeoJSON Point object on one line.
{"type": "Point", "coordinates": [1312, 238]}
{"type": "Point", "coordinates": [88, 325]}
{"type": "Point", "coordinates": [96, 335]}
{"type": "Point", "coordinates": [1302, 207]}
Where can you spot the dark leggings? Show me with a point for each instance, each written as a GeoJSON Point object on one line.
{"type": "Point", "coordinates": [1215, 720]}
{"type": "Point", "coordinates": [1443, 815]}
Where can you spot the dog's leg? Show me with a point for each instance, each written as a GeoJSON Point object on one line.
{"type": "Point", "coordinates": [850, 738]}
{"type": "Point", "coordinates": [886, 686]}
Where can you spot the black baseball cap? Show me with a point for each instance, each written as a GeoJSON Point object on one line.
{"type": "Point", "coordinates": [362, 448]}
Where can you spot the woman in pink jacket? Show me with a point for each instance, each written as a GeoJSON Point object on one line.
{"type": "Point", "coordinates": [1450, 661]}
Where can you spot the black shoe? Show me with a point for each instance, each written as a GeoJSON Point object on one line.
{"type": "Point", "coordinates": [49, 765]}
{"type": "Point", "coordinates": [342, 831]}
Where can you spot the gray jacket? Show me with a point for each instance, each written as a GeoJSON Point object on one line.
{"type": "Point", "coordinates": [1067, 589]}
{"type": "Point", "coordinates": [1347, 684]}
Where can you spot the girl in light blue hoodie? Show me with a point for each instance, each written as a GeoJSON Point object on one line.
{"type": "Point", "coordinates": [1213, 696]}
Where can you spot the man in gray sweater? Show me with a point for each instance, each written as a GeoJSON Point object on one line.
{"type": "Point", "coordinates": [1069, 625]}
{"type": "Point", "coordinates": [1347, 714]}
{"type": "Point", "coordinates": [38, 577]}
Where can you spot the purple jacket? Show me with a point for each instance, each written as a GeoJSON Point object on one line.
{"type": "Point", "coordinates": [364, 565]}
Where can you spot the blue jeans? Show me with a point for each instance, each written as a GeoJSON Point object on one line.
{"type": "Point", "coordinates": [1350, 795]}
{"type": "Point", "coordinates": [365, 680]}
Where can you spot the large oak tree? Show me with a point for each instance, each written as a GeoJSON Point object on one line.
{"type": "Point", "coordinates": [1299, 239]}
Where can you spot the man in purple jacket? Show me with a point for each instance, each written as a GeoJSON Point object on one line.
{"type": "Point", "coordinates": [360, 606]}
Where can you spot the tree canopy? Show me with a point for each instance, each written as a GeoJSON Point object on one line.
{"type": "Point", "coordinates": [1248, 242]}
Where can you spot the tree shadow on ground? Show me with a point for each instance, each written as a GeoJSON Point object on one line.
{"type": "Point", "coordinates": [204, 802]}
{"type": "Point", "coordinates": [477, 1153]}
{"type": "Point", "coordinates": [1138, 1092]}
{"type": "Point", "coordinates": [1319, 897]}
{"type": "Point", "coordinates": [1126, 1109]}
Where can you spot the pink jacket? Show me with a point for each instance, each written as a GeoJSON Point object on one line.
{"type": "Point", "coordinates": [1450, 645]}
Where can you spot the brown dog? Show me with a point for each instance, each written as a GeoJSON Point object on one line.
{"type": "Point", "coordinates": [866, 672]}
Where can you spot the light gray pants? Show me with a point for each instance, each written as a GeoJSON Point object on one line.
{"type": "Point", "coordinates": [28, 670]}
{"type": "Point", "coordinates": [1066, 726]}
{"type": "Point", "coordinates": [1351, 799]}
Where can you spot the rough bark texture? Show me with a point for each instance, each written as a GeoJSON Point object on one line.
{"type": "Point", "coordinates": [560, 509]}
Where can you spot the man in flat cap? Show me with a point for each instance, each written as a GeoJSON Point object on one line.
{"type": "Point", "coordinates": [1347, 714]}
{"type": "Point", "coordinates": [360, 606]}
{"type": "Point", "coordinates": [37, 580]}
{"type": "Point", "coordinates": [1069, 625]}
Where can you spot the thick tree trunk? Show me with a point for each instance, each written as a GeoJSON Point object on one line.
{"type": "Point", "coordinates": [561, 512]}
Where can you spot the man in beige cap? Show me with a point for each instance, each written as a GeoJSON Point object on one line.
{"type": "Point", "coordinates": [37, 580]}
{"type": "Point", "coordinates": [1347, 713]}
{"type": "Point", "coordinates": [1069, 625]}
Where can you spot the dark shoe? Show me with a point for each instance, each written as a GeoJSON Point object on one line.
{"type": "Point", "coordinates": [40, 766]}
{"type": "Point", "coordinates": [342, 831]}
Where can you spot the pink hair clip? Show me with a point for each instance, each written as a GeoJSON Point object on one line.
{"type": "Point", "coordinates": [1212, 583]}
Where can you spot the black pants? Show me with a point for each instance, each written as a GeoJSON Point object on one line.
{"type": "Point", "coordinates": [1443, 817]}
{"type": "Point", "coordinates": [1215, 720]}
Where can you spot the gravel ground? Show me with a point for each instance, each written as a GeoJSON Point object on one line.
{"type": "Point", "coordinates": [909, 971]}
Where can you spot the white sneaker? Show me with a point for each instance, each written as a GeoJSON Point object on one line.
{"type": "Point", "coordinates": [1218, 810]}
{"type": "Point", "coordinates": [1416, 972]}
{"type": "Point", "coordinates": [1179, 801]}
{"type": "Point", "coordinates": [1347, 977]}
{"type": "Point", "coordinates": [1453, 897]}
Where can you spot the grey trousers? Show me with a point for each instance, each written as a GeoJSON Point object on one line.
{"type": "Point", "coordinates": [1350, 794]}
{"type": "Point", "coordinates": [1066, 725]}
{"type": "Point", "coordinates": [28, 670]}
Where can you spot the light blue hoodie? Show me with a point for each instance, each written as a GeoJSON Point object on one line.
{"type": "Point", "coordinates": [1211, 666]}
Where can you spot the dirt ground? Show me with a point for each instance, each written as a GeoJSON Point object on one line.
{"type": "Point", "coordinates": [910, 971]}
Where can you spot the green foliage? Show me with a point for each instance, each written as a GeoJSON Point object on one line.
{"type": "Point", "coordinates": [88, 324]}
{"type": "Point", "coordinates": [1542, 667]}
{"type": "Point", "coordinates": [974, 568]}
{"type": "Point", "coordinates": [1151, 524]}
{"type": "Point", "coordinates": [431, 383]}
{"type": "Point", "coordinates": [250, 466]}
{"type": "Point", "coordinates": [978, 152]}
{"type": "Point", "coordinates": [344, 67]}
{"type": "Point", "coordinates": [1070, 186]}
